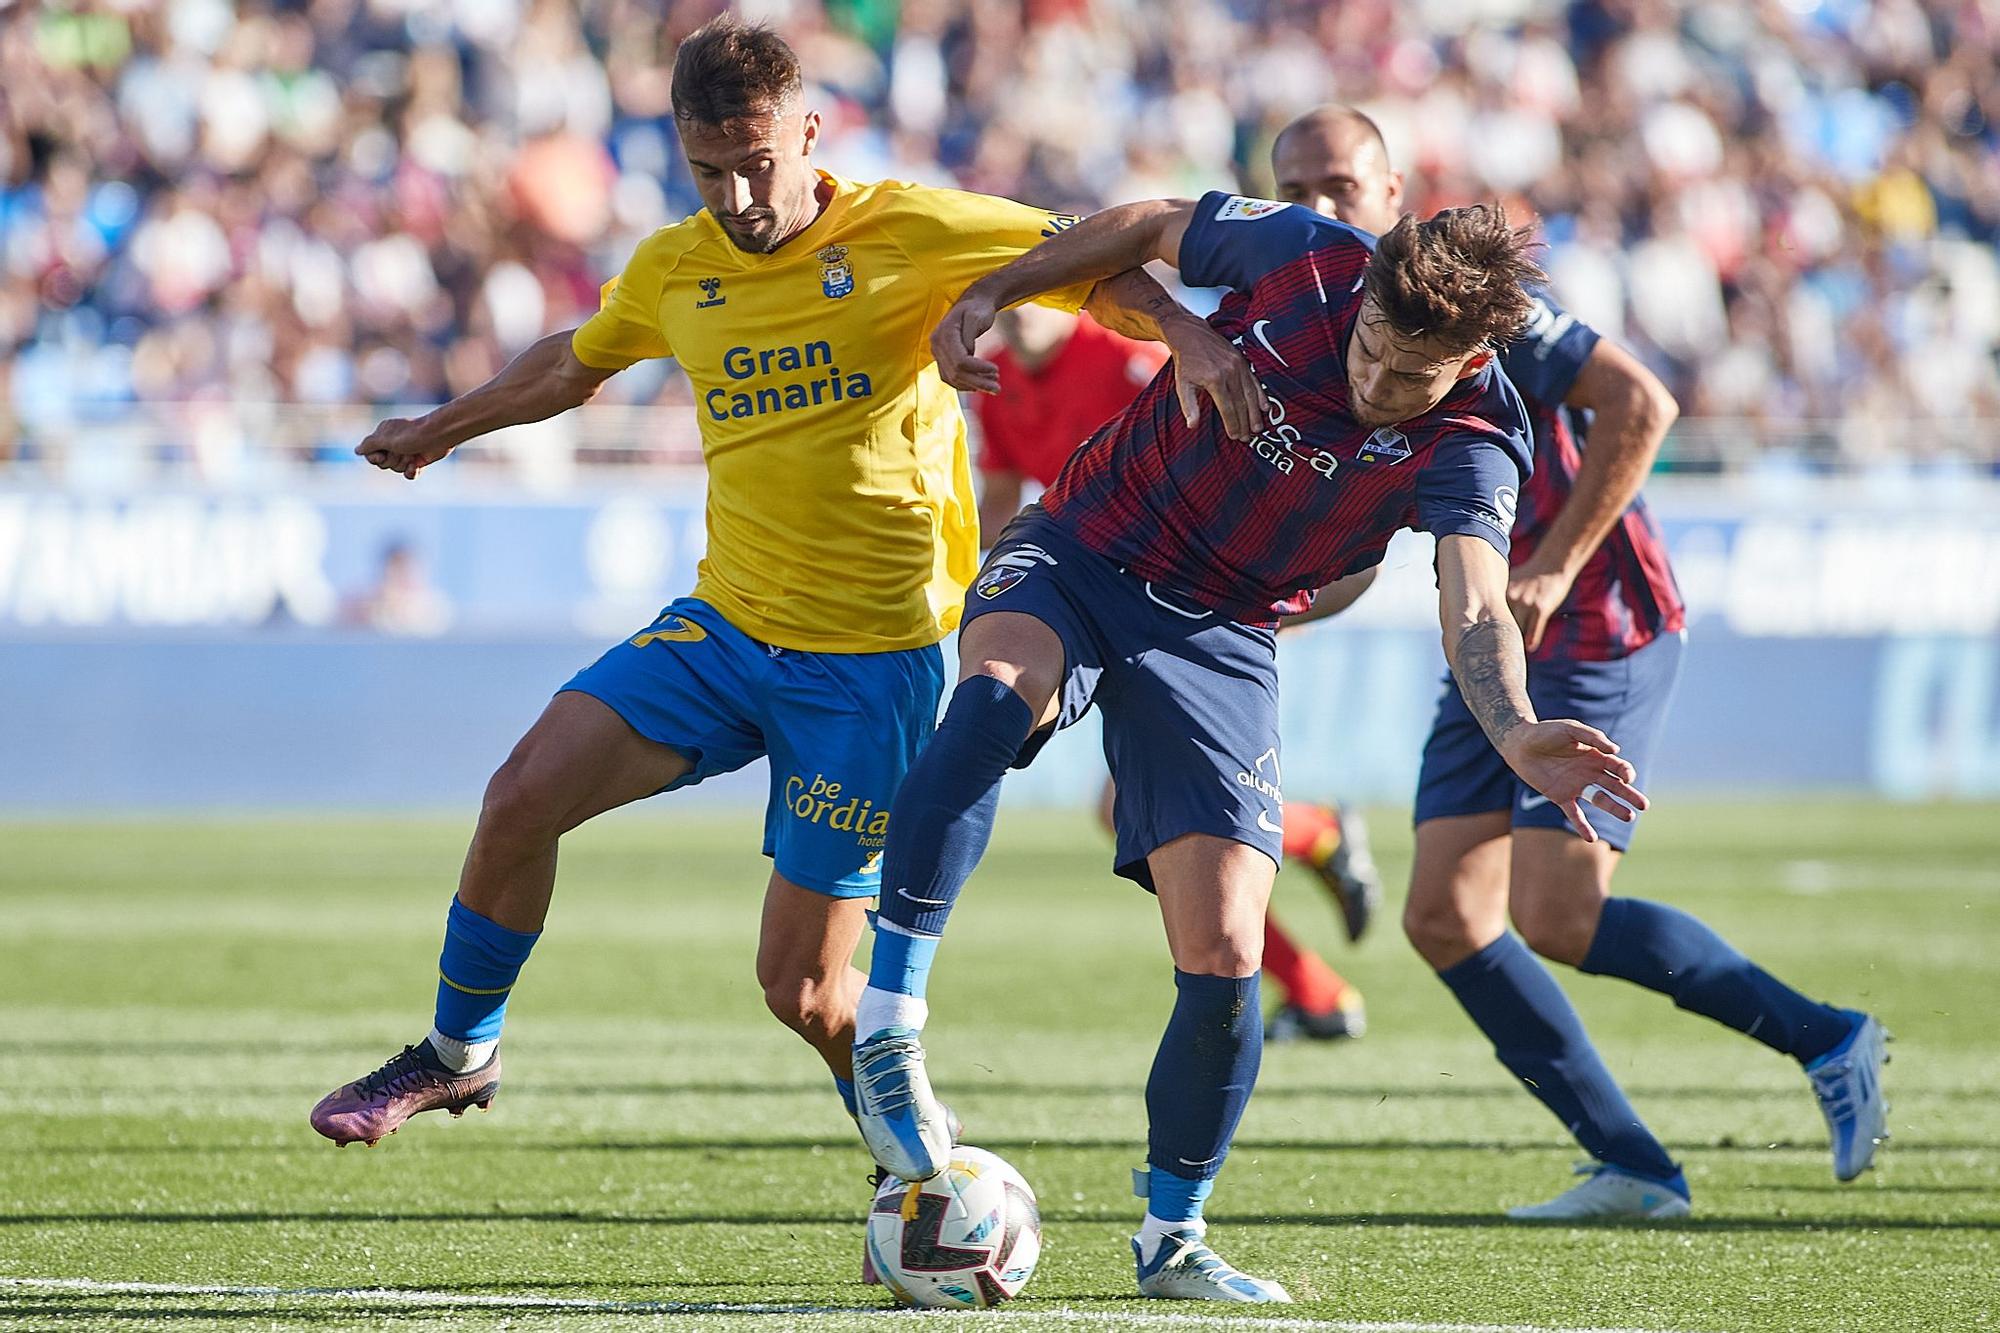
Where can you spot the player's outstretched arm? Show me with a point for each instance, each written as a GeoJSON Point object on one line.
{"type": "Point", "coordinates": [1205, 364]}
{"type": "Point", "coordinates": [1566, 761]}
{"type": "Point", "coordinates": [1106, 248]}
{"type": "Point", "coordinates": [1632, 413]}
{"type": "Point", "coordinates": [541, 382]}
{"type": "Point", "coordinates": [1103, 244]}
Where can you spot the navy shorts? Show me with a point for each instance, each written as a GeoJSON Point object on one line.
{"type": "Point", "coordinates": [1189, 697]}
{"type": "Point", "coordinates": [840, 729]}
{"type": "Point", "coordinates": [1626, 699]}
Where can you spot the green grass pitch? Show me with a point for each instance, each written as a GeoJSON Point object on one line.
{"type": "Point", "coordinates": [175, 995]}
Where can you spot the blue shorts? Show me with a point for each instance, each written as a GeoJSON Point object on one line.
{"type": "Point", "coordinates": [1626, 699]}
{"type": "Point", "coordinates": [1189, 697]}
{"type": "Point", "coordinates": [841, 729]}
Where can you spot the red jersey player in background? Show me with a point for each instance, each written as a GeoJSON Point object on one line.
{"type": "Point", "coordinates": [1063, 376]}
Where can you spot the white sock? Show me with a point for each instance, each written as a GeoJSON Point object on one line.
{"type": "Point", "coordinates": [459, 1056]}
{"type": "Point", "coordinates": [1152, 1231]}
{"type": "Point", "coordinates": [879, 1009]}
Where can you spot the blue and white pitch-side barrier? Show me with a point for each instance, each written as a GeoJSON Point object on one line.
{"type": "Point", "coordinates": [180, 649]}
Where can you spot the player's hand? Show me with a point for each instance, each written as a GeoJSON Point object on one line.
{"type": "Point", "coordinates": [953, 340]}
{"type": "Point", "coordinates": [1208, 364]}
{"type": "Point", "coordinates": [1571, 763]}
{"type": "Point", "coordinates": [1534, 595]}
{"type": "Point", "coordinates": [404, 445]}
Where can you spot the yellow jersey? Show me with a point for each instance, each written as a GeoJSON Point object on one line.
{"type": "Point", "coordinates": [840, 508]}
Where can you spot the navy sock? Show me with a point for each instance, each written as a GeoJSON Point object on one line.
{"type": "Point", "coordinates": [1539, 1038]}
{"type": "Point", "coordinates": [477, 969]}
{"type": "Point", "coordinates": [1664, 949]}
{"type": "Point", "coordinates": [1201, 1081]}
{"type": "Point", "coordinates": [943, 816]}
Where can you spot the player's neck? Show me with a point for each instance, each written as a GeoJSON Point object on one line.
{"type": "Point", "coordinates": [822, 196]}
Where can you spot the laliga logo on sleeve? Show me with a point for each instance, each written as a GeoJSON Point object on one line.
{"type": "Point", "coordinates": [836, 275]}
{"type": "Point", "coordinates": [1242, 208]}
{"type": "Point", "coordinates": [1506, 500]}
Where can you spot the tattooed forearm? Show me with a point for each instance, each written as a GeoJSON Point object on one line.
{"type": "Point", "coordinates": [1134, 304]}
{"type": "Point", "coordinates": [1492, 671]}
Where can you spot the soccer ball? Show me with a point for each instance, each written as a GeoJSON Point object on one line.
{"type": "Point", "coordinates": [967, 1237]}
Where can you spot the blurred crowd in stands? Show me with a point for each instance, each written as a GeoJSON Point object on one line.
{"type": "Point", "coordinates": [1788, 207]}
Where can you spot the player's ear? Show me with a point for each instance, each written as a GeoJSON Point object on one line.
{"type": "Point", "coordinates": [811, 133]}
{"type": "Point", "coordinates": [1477, 362]}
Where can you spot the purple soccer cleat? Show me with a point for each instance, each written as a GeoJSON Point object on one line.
{"type": "Point", "coordinates": [374, 1106]}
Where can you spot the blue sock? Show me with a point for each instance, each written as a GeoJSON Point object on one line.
{"type": "Point", "coordinates": [1201, 1081]}
{"type": "Point", "coordinates": [940, 823]}
{"type": "Point", "coordinates": [1173, 1198]}
{"type": "Point", "coordinates": [901, 962]}
{"type": "Point", "coordinates": [481, 958]}
{"type": "Point", "coordinates": [1537, 1035]}
{"type": "Point", "coordinates": [1664, 949]}
{"type": "Point", "coordinates": [845, 1087]}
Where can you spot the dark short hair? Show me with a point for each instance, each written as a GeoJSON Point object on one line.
{"type": "Point", "coordinates": [1460, 278]}
{"type": "Point", "coordinates": [728, 69]}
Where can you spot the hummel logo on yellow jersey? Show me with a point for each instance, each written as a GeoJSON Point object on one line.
{"type": "Point", "coordinates": [711, 290]}
{"type": "Point", "coordinates": [670, 629]}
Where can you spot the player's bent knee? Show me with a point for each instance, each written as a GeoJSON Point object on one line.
{"type": "Point", "coordinates": [1035, 685]}
{"type": "Point", "coordinates": [813, 1009]}
{"type": "Point", "coordinates": [517, 807]}
{"type": "Point", "coordinates": [1441, 934]}
{"type": "Point", "coordinates": [1017, 650]}
{"type": "Point", "coordinates": [1558, 930]}
{"type": "Point", "coordinates": [1225, 953]}
{"type": "Point", "coordinates": [1555, 933]}
{"type": "Point", "coordinates": [1559, 887]}
{"type": "Point", "coordinates": [1223, 956]}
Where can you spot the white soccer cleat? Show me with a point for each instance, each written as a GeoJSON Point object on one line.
{"type": "Point", "coordinates": [907, 1129]}
{"type": "Point", "coordinates": [1848, 1082]}
{"type": "Point", "coordinates": [1184, 1268]}
{"type": "Point", "coordinates": [1607, 1193]}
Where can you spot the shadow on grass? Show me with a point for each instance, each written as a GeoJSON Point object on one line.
{"type": "Point", "coordinates": [68, 1309]}
{"type": "Point", "coordinates": [1443, 1087]}
{"type": "Point", "coordinates": [1862, 1189]}
{"type": "Point", "coordinates": [1066, 1143]}
{"type": "Point", "coordinates": [1083, 1143]}
{"type": "Point", "coordinates": [288, 1313]}
{"type": "Point", "coordinates": [853, 1217]}
{"type": "Point", "coordinates": [138, 1046]}
{"type": "Point", "coordinates": [1446, 1088]}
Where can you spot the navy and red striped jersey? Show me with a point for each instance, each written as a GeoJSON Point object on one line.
{"type": "Point", "coordinates": [1253, 529]}
{"type": "Point", "coordinates": [1625, 596]}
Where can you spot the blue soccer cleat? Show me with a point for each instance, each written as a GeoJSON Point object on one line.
{"type": "Point", "coordinates": [1606, 1194]}
{"type": "Point", "coordinates": [1848, 1082]}
{"type": "Point", "coordinates": [1184, 1268]}
{"type": "Point", "coordinates": [907, 1130]}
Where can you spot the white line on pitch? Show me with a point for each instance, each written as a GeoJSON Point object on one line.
{"type": "Point", "coordinates": [529, 1301]}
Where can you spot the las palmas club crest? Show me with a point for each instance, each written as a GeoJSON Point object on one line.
{"type": "Point", "coordinates": [836, 275]}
